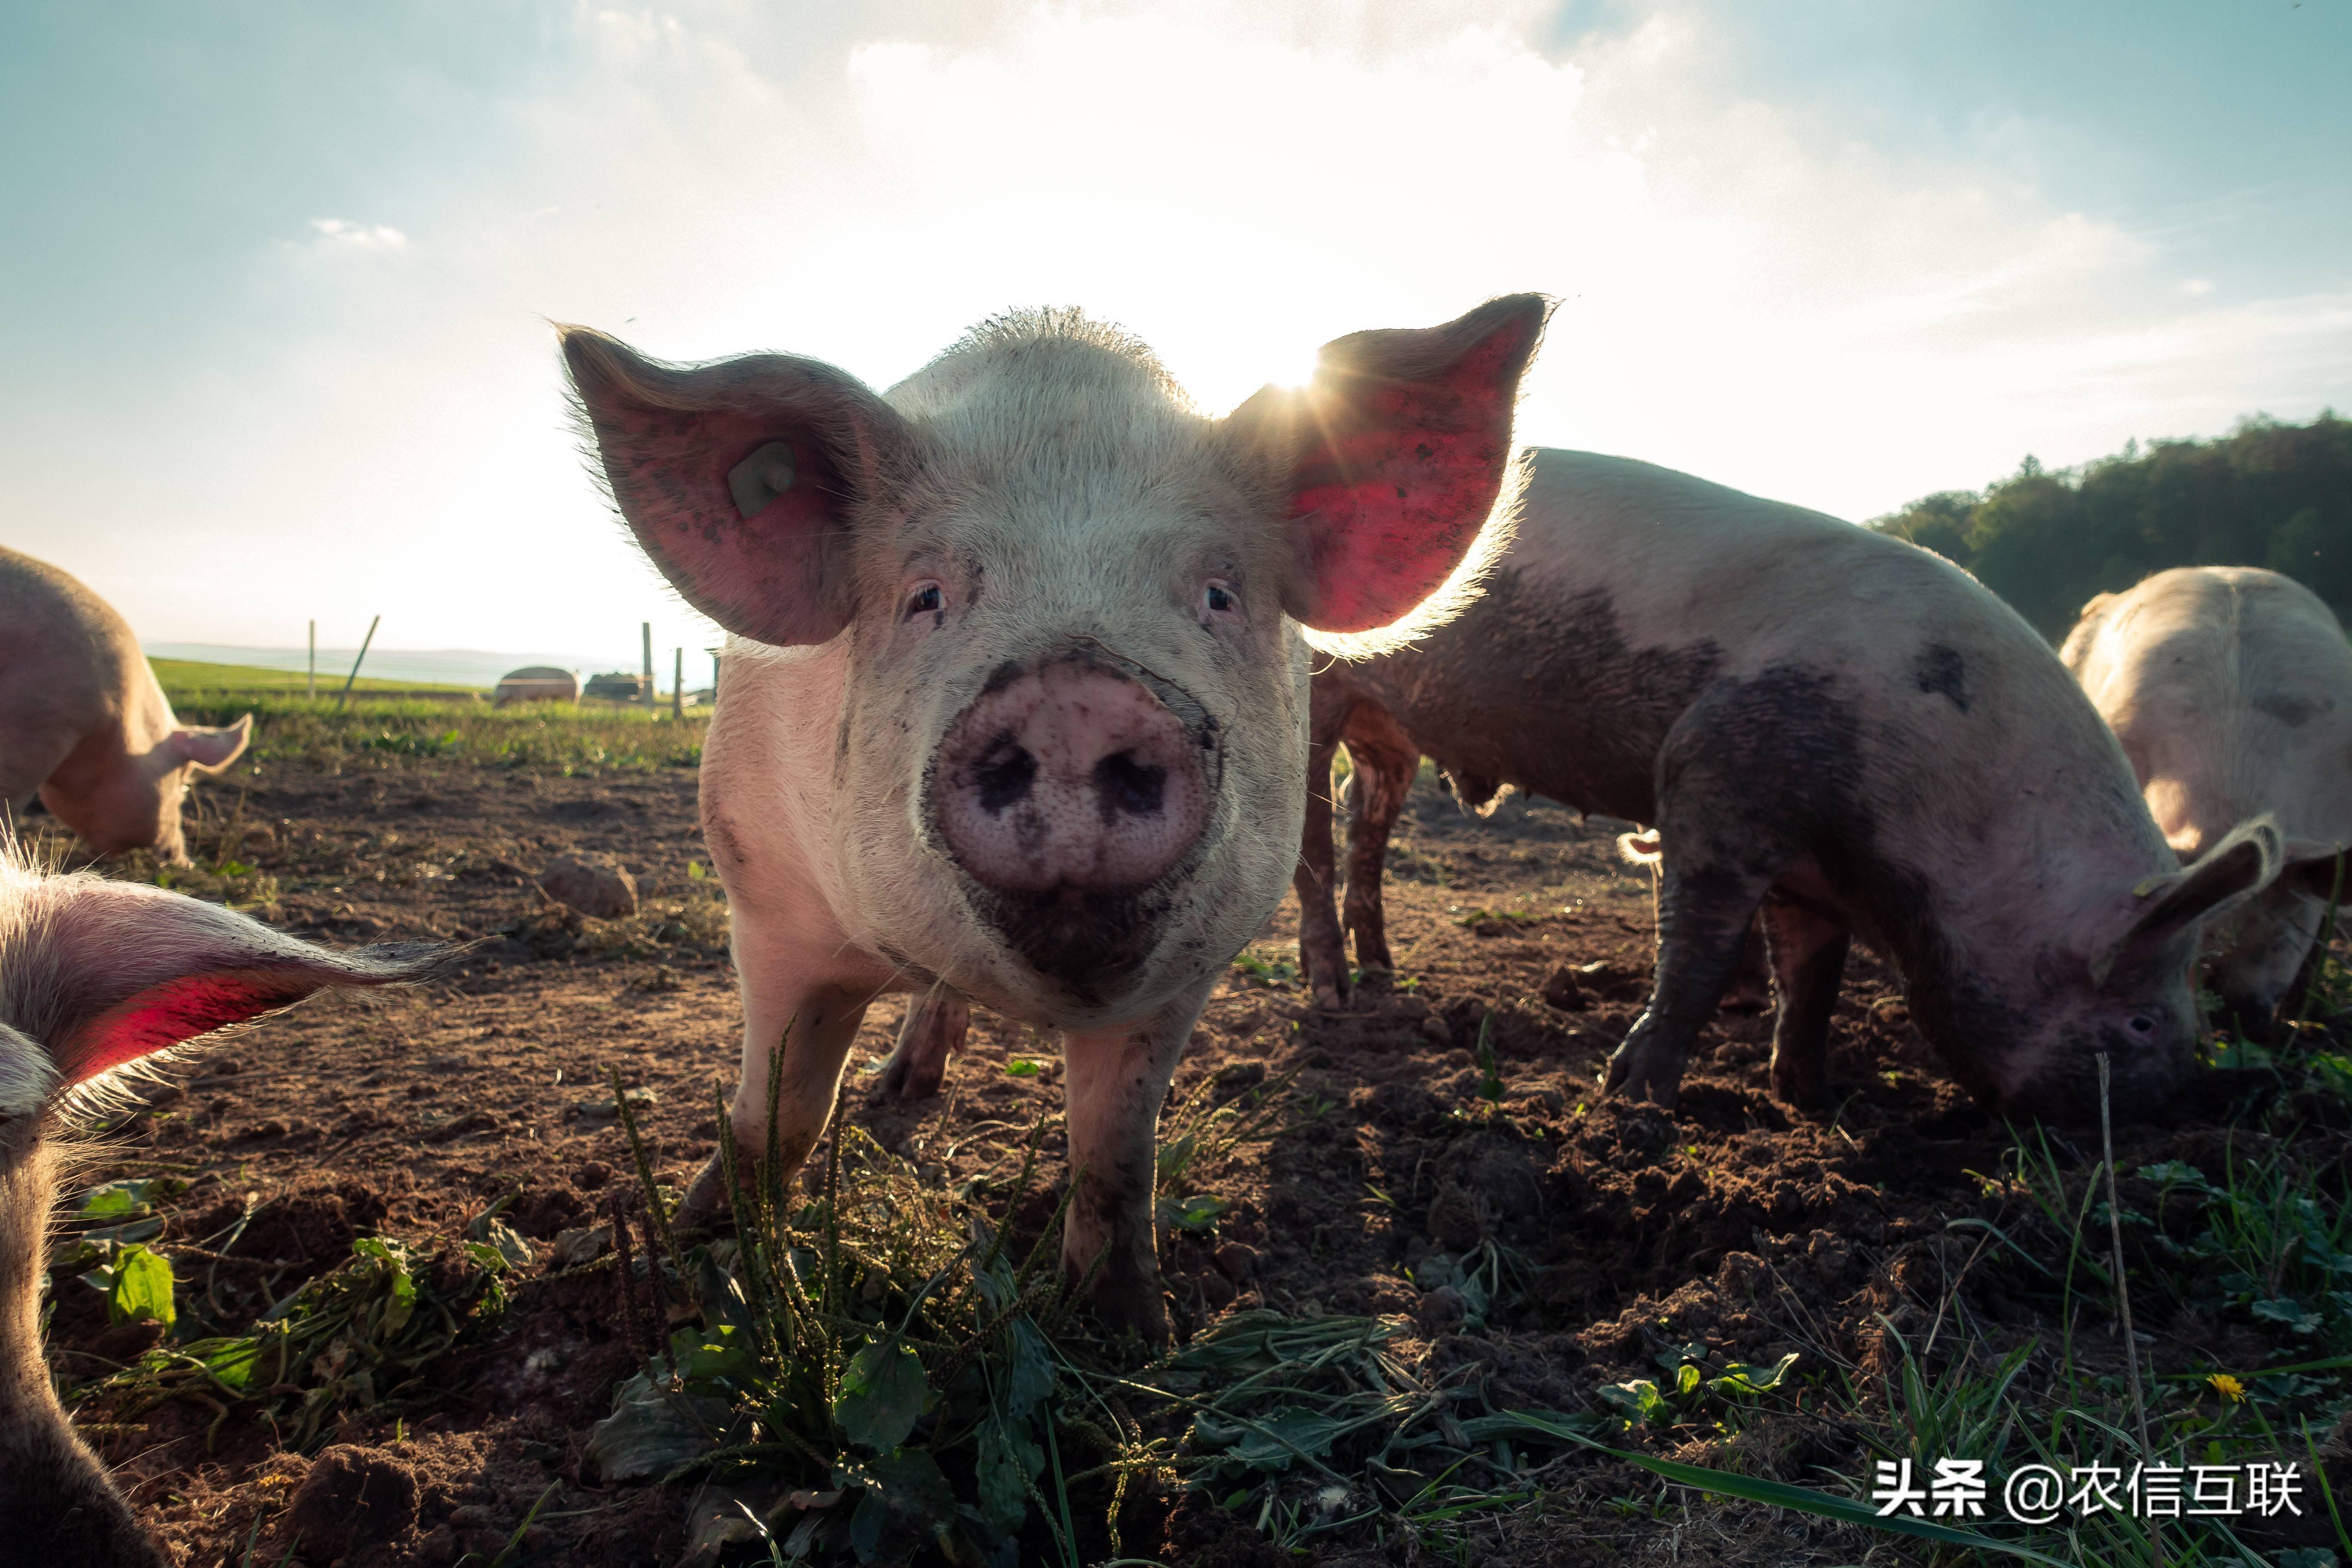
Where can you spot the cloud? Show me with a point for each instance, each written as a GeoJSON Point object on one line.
{"type": "Point", "coordinates": [1749, 293]}
{"type": "Point", "coordinates": [336, 232]}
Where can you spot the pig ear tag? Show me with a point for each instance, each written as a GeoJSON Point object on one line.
{"type": "Point", "coordinates": [761, 478]}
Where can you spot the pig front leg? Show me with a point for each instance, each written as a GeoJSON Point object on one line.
{"type": "Point", "coordinates": [821, 1020]}
{"type": "Point", "coordinates": [1703, 918]}
{"type": "Point", "coordinates": [1116, 1081]}
{"type": "Point", "coordinates": [1322, 949]}
{"type": "Point", "coordinates": [935, 1027]}
{"type": "Point", "coordinates": [1385, 761]}
{"type": "Point", "coordinates": [1807, 953]}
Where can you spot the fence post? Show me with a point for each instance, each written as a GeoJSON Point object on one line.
{"type": "Point", "coordinates": [648, 630]}
{"type": "Point", "coordinates": [354, 675]}
{"type": "Point", "coordinates": [677, 687]}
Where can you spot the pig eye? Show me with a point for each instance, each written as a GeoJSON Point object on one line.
{"type": "Point", "coordinates": [2140, 1023]}
{"type": "Point", "coordinates": [926, 598]}
{"type": "Point", "coordinates": [1218, 598]}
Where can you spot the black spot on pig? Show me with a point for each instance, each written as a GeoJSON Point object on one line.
{"type": "Point", "coordinates": [1941, 671]}
{"type": "Point", "coordinates": [1558, 702]}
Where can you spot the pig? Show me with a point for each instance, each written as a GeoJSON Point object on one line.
{"type": "Point", "coordinates": [1843, 732]}
{"type": "Point", "coordinates": [95, 978]}
{"type": "Point", "coordinates": [2231, 689]}
{"type": "Point", "coordinates": [1014, 697]}
{"type": "Point", "coordinates": [83, 723]}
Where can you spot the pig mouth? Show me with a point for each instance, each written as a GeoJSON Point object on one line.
{"type": "Point", "coordinates": [1090, 943]}
{"type": "Point", "coordinates": [1074, 793]}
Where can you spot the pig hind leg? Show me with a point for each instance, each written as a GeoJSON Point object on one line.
{"type": "Point", "coordinates": [935, 1027]}
{"type": "Point", "coordinates": [1808, 949]}
{"type": "Point", "coordinates": [1384, 762]}
{"type": "Point", "coordinates": [1703, 919]}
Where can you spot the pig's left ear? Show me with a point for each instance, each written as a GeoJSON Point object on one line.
{"type": "Point", "coordinates": [1392, 458]}
{"type": "Point", "coordinates": [106, 972]}
{"type": "Point", "coordinates": [741, 478]}
{"type": "Point", "coordinates": [211, 750]}
{"type": "Point", "coordinates": [2243, 863]}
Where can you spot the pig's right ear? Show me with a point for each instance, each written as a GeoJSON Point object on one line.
{"type": "Point", "coordinates": [739, 477]}
{"type": "Point", "coordinates": [106, 972]}
{"type": "Point", "coordinates": [2243, 863]}
{"type": "Point", "coordinates": [1393, 458]}
{"type": "Point", "coordinates": [2312, 870]}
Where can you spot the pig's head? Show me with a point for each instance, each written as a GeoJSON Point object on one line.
{"type": "Point", "coordinates": [2122, 986]}
{"type": "Point", "coordinates": [96, 976]}
{"type": "Point", "coordinates": [1071, 756]}
{"type": "Point", "coordinates": [130, 798]}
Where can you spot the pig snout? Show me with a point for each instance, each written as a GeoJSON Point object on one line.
{"type": "Point", "coordinates": [1073, 777]}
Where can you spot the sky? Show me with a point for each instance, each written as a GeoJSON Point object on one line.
{"type": "Point", "coordinates": [279, 280]}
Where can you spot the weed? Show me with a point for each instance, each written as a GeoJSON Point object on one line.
{"type": "Point", "coordinates": [357, 1337]}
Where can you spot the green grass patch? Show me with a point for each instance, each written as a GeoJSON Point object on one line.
{"type": "Point", "coordinates": [194, 678]}
{"type": "Point", "coordinates": [358, 1337]}
{"type": "Point", "coordinates": [553, 737]}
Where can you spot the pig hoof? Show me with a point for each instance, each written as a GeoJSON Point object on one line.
{"type": "Point", "coordinates": [708, 1198]}
{"type": "Point", "coordinates": [1808, 1094]}
{"type": "Point", "coordinates": [1631, 1080]}
{"type": "Point", "coordinates": [906, 1078]}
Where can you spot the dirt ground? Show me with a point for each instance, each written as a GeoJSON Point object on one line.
{"type": "Point", "coordinates": [1733, 1221]}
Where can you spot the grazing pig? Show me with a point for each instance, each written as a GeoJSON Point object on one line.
{"type": "Point", "coordinates": [1835, 726]}
{"type": "Point", "coordinates": [96, 975]}
{"type": "Point", "coordinates": [1016, 693]}
{"type": "Point", "coordinates": [2231, 690]}
{"type": "Point", "coordinates": [83, 722]}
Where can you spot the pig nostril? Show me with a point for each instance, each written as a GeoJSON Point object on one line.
{"type": "Point", "coordinates": [1126, 785]}
{"type": "Point", "coordinates": [1005, 776]}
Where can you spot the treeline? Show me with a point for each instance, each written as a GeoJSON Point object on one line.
{"type": "Point", "coordinates": [2267, 494]}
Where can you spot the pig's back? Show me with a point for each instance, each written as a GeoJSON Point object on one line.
{"type": "Point", "coordinates": [64, 651]}
{"type": "Point", "coordinates": [1631, 589]}
{"type": "Point", "coordinates": [2231, 689]}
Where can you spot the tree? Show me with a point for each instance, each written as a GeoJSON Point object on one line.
{"type": "Point", "coordinates": [2267, 494]}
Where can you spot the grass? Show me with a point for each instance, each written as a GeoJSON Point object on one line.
{"type": "Point", "coordinates": [192, 677]}
{"type": "Point", "coordinates": [584, 740]}
{"type": "Point", "coordinates": [2260, 1235]}
{"type": "Point", "coordinates": [882, 1368]}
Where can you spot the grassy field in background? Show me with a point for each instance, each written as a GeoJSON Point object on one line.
{"type": "Point", "coordinates": [557, 737]}
{"type": "Point", "coordinates": [382, 720]}
{"type": "Point", "coordinates": [186, 675]}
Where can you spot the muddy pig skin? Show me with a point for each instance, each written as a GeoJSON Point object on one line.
{"type": "Point", "coordinates": [1015, 696]}
{"type": "Point", "coordinates": [1837, 728]}
{"type": "Point", "coordinates": [95, 976]}
{"type": "Point", "coordinates": [82, 723]}
{"type": "Point", "coordinates": [2231, 689]}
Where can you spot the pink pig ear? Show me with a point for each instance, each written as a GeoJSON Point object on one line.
{"type": "Point", "coordinates": [213, 749]}
{"type": "Point", "coordinates": [739, 477]}
{"type": "Point", "coordinates": [1394, 456]}
{"type": "Point", "coordinates": [106, 972]}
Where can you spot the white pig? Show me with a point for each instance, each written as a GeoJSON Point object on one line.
{"type": "Point", "coordinates": [84, 724]}
{"type": "Point", "coordinates": [1834, 726]}
{"type": "Point", "coordinates": [95, 976]}
{"type": "Point", "coordinates": [2231, 689]}
{"type": "Point", "coordinates": [1016, 697]}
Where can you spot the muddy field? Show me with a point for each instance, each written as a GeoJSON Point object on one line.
{"type": "Point", "coordinates": [1733, 1223]}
